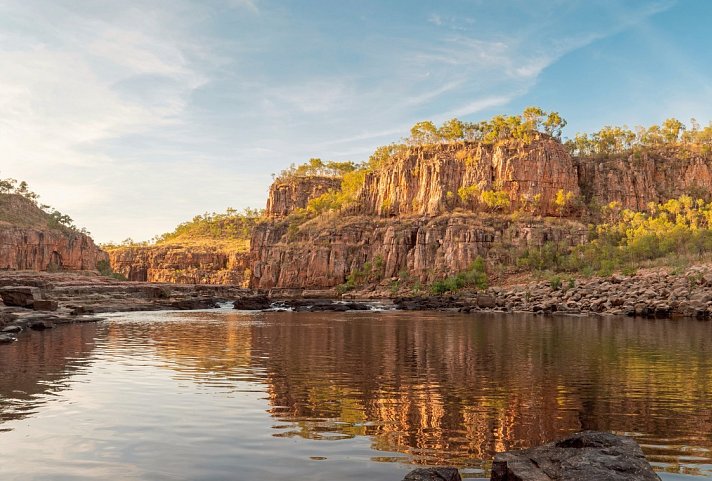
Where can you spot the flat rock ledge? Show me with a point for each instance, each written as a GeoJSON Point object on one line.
{"type": "Point", "coordinates": [586, 456]}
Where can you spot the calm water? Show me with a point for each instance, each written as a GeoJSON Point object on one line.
{"type": "Point", "coordinates": [223, 395]}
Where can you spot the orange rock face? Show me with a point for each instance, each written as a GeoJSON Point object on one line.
{"type": "Point", "coordinates": [181, 265]}
{"type": "Point", "coordinates": [637, 179]}
{"type": "Point", "coordinates": [287, 196]}
{"type": "Point", "coordinates": [43, 250]}
{"type": "Point", "coordinates": [427, 180]}
{"type": "Point", "coordinates": [424, 247]}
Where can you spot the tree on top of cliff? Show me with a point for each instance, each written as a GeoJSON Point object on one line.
{"type": "Point", "coordinates": [672, 133]}
{"type": "Point", "coordinates": [525, 127]}
{"type": "Point", "coordinates": [316, 167]}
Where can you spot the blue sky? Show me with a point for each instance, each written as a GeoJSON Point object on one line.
{"type": "Point", "coordinates": [134, 116]}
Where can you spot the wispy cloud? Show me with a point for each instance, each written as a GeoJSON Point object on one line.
{"type": "Point", "coordinates": [136, 116]}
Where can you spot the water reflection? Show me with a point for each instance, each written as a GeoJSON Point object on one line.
{"type": "Point", "coordinates": [427, 388]}
{"type": "Point", "coordinates": [35, 370]}
{"type": "Point", "coordinates": [443, 388]}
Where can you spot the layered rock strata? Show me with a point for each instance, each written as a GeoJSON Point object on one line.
{"type": "Point", "coordinates": [182, 264]}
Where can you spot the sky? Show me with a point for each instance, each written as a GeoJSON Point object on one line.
{"type": "Point", "coordinates": [134, 116]}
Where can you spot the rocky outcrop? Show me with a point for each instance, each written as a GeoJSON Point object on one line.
{"type": "Point", "coordinates": [285, 196]}
{"type": "Point", "coordinates": [29, 240]}
{"type": "Point", "coordinates": [47, 250]}
{"type": "Point", "coordinates": [182, 264]}
{"type": "Point", "coordinates": [433, 474]}
{"type": "Point", "coordinates": [426, 180]}
{"type": "Point", "coordinates": [638, 178]}
{"type": "Point", "coordinates": [587, 456]}
{"type": "Point", "coordinates": [323, 255]}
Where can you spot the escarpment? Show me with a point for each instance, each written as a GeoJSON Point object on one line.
{"type": "Point", "coordinates": [323, 255]}
{"type": "Point", "coordinates": [636, 179]}
{"type": "Point", "coordinates": [431, 179]}
{"type": "Point", "coordinates": [427, 212]}
{"type": "Point", "coordinates": [29, 240]}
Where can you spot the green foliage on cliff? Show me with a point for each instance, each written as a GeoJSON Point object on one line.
{"type": "Point", "coordinates": [628, 239]}
{"type": "Point", "coordinates": [474, 276]}
{"type": "Point", "coordinates": [105, 269]}
{"type": "Point", "coordinates": [369, 273]}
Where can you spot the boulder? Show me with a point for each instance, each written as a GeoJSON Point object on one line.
{"type": "Point", "coordinates": [14, 329]}
{"type": "Point", "coordinates": [252, 303]}
{"type": "Point", "coordinates": [40, 324]}
{"type": "Point", "coordinates": [193, 304]}
{"type": "Point", "coordinates": [20, 296]}
{"type": "Point", "coordinates": [7, 338]}
{"type": "Point", "coordinates": [586, 456]}
{"type": "Point", "coordinates": [433, 474]}
{"type": "Point", "coordinates": [45, 305]}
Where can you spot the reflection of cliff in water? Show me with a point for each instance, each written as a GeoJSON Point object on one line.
{"type": "Point", "coordinates": [463, 389]}
{"type": "Point", "coordinates": [40, 365]}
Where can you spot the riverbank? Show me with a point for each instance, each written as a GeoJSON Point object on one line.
{"type": "Point", "coordinates": [41, 300]}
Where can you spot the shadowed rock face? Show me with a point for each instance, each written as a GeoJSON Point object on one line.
{"type": "Point", "coordinates": [587, 456]}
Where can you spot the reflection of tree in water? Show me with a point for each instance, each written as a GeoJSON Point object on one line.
{"type": "Point", "coordinates": [41, 364]}
{"type": "Point", "coordinates": [460, 390]}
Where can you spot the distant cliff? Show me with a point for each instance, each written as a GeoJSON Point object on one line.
{"type": "Point", "coordinates": [428, 209]}
{"type": "Point", "coordinates": [29, 240]}
{"type": "Point", "coordinates": [182, 264]}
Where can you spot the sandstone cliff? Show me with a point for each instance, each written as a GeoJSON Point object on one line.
{"type": "Point", "coordinates": [322, 254]}
{"type": "Point", "coordinates": [285, 196]}
{"type": "Point", "coordinates": [411, 216]}
{"type": "Point", "coordinates": [182, 264]}
{"type": "Point", "coordinates": [425, 180]}
{"type": "Point", "coordinates": [636, 179]}
{"type": "Point", "coordinates": [29, 241]}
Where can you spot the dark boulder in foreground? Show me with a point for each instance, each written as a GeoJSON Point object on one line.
{"type": "Point", "coordinates": [433, 474]}
{"type": "Point", "coordinates": [252, 303]}
{"type": "Point", "coordinates": [586, 456]}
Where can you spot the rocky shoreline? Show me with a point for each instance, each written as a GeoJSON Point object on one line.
{"type": "Point", "coordinates": [655, 293]}
{"type": "Point", "coordinates": [39, 300]}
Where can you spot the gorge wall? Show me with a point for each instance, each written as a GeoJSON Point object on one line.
{"type": "Point", "coordinates": [28, 240]}
{"type": "Point", "coordinates": [415, 215]}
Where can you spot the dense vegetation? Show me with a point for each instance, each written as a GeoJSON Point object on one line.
{"type": "Point", "coordinates": [671, 133]}
{"type": "Point", "coordinates": [681, 228]}
{"type": "Point", "coordinates": [54, 218]}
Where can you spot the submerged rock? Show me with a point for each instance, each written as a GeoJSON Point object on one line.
{"type": "Point", "coordinates": [586, 456]}
{"type": "Point", "coordinates": [433, 474]}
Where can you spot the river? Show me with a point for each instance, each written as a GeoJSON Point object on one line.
{"type": "Point", "coordinates": [227, 395]}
